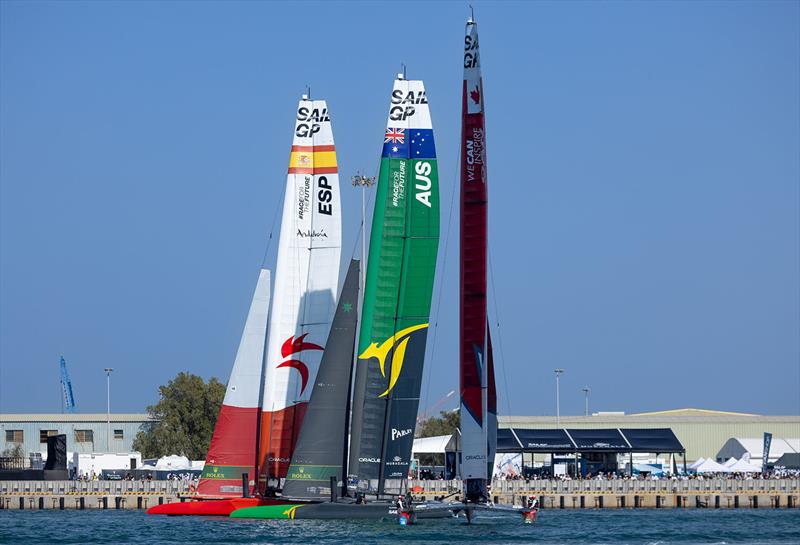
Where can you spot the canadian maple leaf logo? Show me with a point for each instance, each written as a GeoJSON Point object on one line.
{"type": "Point", "coordinates": [475, 95]}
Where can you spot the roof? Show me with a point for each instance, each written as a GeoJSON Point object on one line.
{"type": "Point", "coordinates": [692, 412]}
{"type": "Point", "coordinates": [431, 445]}
{"type": "Point", "coordinates": [74, 417]}
{"type": "Point", "coordinates": [557, 440]}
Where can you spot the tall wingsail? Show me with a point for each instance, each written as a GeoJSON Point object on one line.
{"type": "Point", "coordinates": [322, 444]}
{"type": "Point", "coordinates": [397, 296]}
{"type": "Point", "coordinates": [478, 399]}
{"type": "Point", "coordinates": [306, 278]}
{"type": "Point", "coordinates": [233, 445]}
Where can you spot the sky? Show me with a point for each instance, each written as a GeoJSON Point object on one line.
{"type": "Point", "coordinates": [644, 178]}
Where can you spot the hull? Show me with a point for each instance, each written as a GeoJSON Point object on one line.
{"type": "Point", "coordinates": [341, 511]}
{"type": "Point", "coordinates": [209, 508]}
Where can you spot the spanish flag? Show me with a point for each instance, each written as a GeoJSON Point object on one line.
{"type": "Point", "coordinates": [312, 160]}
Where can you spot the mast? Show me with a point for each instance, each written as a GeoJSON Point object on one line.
{"type": "Point", "coordinates": [478, 399]}
{"type": "Point", "coordinates": [397, 296]}
{"type": "Point", "coordinates": [233, 450]}
{"type": "Point", "coordinates": [306, 283]}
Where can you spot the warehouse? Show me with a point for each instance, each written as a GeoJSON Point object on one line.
{"type": "Point", "coordinates": [86, 433]}
{"type": "Point", "coordinates": [701, 432]}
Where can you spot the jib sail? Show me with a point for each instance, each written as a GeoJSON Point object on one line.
{"type": "Point", "coordinates": [233, 445]}
{"type": "Point", "coordinates": [322, 444]}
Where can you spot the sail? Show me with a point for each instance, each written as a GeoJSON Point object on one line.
{"type": "Point", "coordinates": [478, 411]}
{"type": "Point", "coordinates": [233, 445]}
{"type": "Point", "coordinates": [322, 443]}
{"type": "Point", "coordinates": [306, 278]}
{"type": "Point", "coordinates": [397, 297]}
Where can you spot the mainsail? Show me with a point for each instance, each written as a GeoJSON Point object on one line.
{"type": "Point", "coordinates": [233, 445]}
{"type": "Point", "coordinates": [322, 444]}
{"type": "Point", "coordinates": [397, 296]}
{"type": "Point", "coordinates": [478, 399]}
{"type": "Point", "coordinates": [306, 278]}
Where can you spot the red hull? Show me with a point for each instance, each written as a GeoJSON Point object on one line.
{"type": "Point", "coordinates": [210, 508]}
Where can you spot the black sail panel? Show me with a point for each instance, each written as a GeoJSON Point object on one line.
{"type": "Point", "coordinates": [322, 442]}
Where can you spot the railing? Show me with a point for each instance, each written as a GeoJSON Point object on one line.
{"type": "Point", "coordinates": [618, 486]}
{"type": "Point", "coordinates": [14, 462]}
{"type": "Point", "coordinates": [118, 488]}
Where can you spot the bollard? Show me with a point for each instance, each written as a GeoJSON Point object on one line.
{"type": "Point", "coordinates": [41, 502]}
{"type": "Point", "coordinates": [82, 503]}
{"type": "Point", "coordinates": [61, 503]}
{"type": "Point", "coordinates": [599, 502]}
{"type": "Point", "coordinates": [139, 502]}
{"type": "Point", "coordinates": [679, 501]}
{"type": "Point", "coordinates": [716, 502]}
{"type": "Point", "coordinates": [658, 502]}
{"type": "Point", "coordinates": [622, 501]}
{"type": "Point", "coordinates": [789, 502]}
{"type": "Point", "coordinates": [637, 502]}
{"type": "Point", "coordinates": [736, 502]}
{"type": "Point", "coordinates": [755, 502]}
{"type": "Point", "coordinates": [777, 502]}
{"type": "Point", "coordinates": [583, 502]}
{"type": "Point", "coordinates": [105, 502]}
{"type": "Point", "coordinates": [561, 502]}
{"type": "Point", "coordinates": [21, 504]}
{"type": "Point", "coordinates": [117, 501]}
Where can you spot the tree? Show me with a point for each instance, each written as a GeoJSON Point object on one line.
{"type": "Point", "coordinates": [14, 450]}
{"type": "Point", "coordinates": [445, 424]}
{"type": "Point", "coordinates": [183, 420]}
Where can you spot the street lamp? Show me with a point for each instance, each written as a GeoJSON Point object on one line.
{"type": "Point", "coordinates": [586, 391]}
{"type": "Point", "coordinates": [558, 373]}
{"type": "Point", "coordinates": [364, 182]}
{"type": "Point", "coordinates": [108, 407]}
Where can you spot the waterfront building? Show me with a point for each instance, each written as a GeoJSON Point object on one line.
{"type": "Point", "coordinates": [701, 432]}
{"type": "Point", "coordinates": [86, 433]}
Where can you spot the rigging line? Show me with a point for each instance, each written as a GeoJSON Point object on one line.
{"type": "Point", "coordinates": [499, 334]}
{"type": "Point", "coordinates": [442, 276]}
{"type": "Point", "coordinates": [278, 207]}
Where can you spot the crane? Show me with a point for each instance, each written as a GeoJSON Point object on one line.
{"type": "Point", "coordinates": [66, 388]}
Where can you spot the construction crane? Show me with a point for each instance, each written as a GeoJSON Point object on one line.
{"type": "Point", "coordinates": [66, 388]}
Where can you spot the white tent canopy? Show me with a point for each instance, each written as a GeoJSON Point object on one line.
{"type": "Point", "coordinates": [697, 462]}
{"type": "Point", "coordinates": [730, 462]}
{"type": "Point", "coordinates": [710, 466]}
{"type": "Point", "coordinates": [743, 466]}
{"type": "Point", "coordinates": [433, 445]}
{"type": "Point", "coordinates": [739, 446]}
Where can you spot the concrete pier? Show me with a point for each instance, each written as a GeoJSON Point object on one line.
{"type": "Point", "coordinates": [613, 494]}
{"type": "Point", "coordinates": [60, 495]}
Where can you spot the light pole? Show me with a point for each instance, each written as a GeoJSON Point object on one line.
{"type": "Point", "coordinates": [586, 391]}
{"type": "Point", "coordinates": [558, 373]}
{"type": "Point", "coordinates": [108, 408]}
{"type": "Point", "coordinates": [364, 182]}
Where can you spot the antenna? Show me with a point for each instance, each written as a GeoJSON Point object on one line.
{"type": "Point", "coordinates": [402, 75]}
{"type": "Point", "coordinates": [307, 95]}
{"type": "Point", "coordinates": [471, 14]}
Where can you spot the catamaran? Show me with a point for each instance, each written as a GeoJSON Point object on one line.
{"type": "Point", "coordinates": [391, 348]}
{"type": "Point", "coordinates": [268, 388]}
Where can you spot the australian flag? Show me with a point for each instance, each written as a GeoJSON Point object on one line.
{"type": "Point", "coordinates": [409, 143]}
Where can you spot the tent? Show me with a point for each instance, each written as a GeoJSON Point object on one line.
{"type": "Point", "coordinates": [697, 463]}
{"type": "Point", "coordinates": [790, 460]}
{"type": "Point", "coordinates": [744, 466]}
{"type": "Point", "coordinates": [729, 462]}
{"type": "Point", "coordinates": [710, 466]}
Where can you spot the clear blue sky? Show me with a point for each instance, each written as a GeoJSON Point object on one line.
{"type": "Point", "coordinates": [643, 161]}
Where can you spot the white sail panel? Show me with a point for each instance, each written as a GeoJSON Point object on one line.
{"type": "Point", "coordinates": [245, 379]}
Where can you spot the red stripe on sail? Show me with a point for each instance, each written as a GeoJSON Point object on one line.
{"type": "Point", "coordinates": [330, 147]}
{"type": "Point", "coordinates": [279, 432]}
{"type": "Point", "coordinates": [319, 170]}
{"type": "Point", "coordinates": [233, 444]}
{"type": "Point", "coordinates": [473, 255]}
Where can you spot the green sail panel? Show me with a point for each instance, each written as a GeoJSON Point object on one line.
{"type": "Point", "coordinates": [397, 296]}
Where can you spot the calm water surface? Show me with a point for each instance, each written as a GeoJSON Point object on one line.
{"type": "Point", "coordinates": [645, 527]}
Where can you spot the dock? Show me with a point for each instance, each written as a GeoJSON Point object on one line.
{"type": "Point", "coordinates": [552, 494]}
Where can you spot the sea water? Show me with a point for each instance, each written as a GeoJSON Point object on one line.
{"type": "Point", "coordinates": [627, 526]}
